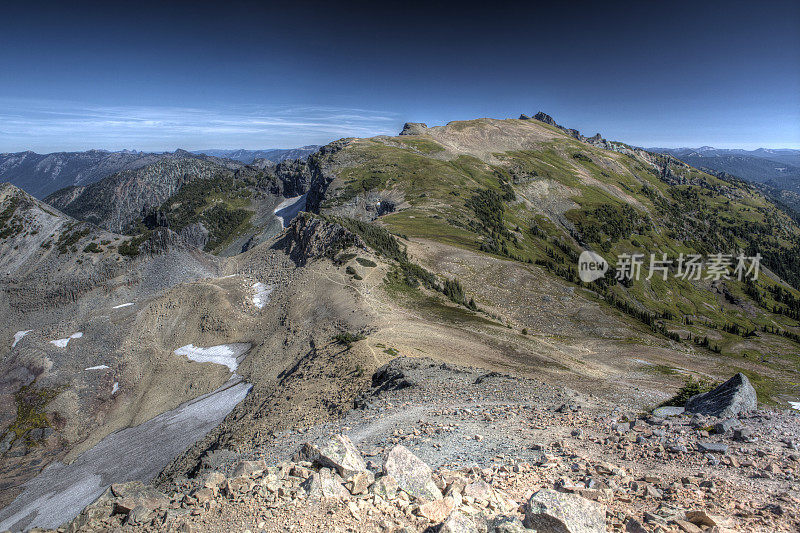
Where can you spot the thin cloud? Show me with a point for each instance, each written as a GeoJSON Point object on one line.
{"type": "Point", "coordinates": [51, 126]}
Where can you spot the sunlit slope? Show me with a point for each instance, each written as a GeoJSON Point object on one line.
{"type": "Point", "coordinates": [529, 192]}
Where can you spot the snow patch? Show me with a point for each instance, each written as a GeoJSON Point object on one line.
{"type": "Point", "coordinates": [795, 405]}
{"type": "Point", "coordinates": [18, 336]}
{"type": "Point", "coordinates": [138, 453]}
{"type": "Point", "coordinates": [122, 305]}
{"type": "Point", "coordinates": [62, 343]}
{"type": "Point", "coordinates": [115, 388]}
{"type": "Point", "coordinates": [261, 295]}
{"type": "Point", "coordinates": [224, 354]}
{"type": "Point", "coordinates": [98, 367]}
{"type": "Point", "coordinates": [289, 208]}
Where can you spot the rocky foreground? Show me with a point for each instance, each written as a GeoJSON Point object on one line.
{"type": "Point", "coordinates": [508, 454]}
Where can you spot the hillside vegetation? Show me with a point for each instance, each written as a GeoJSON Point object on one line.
{"type": "Point", "coordinates": [533, 193]}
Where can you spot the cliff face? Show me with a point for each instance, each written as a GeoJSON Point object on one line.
{"type": "Point", "coordinates": [310, 237]}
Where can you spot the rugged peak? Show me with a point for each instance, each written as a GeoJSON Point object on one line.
{"type": "Point", "coordinates": [523, 116]}
{"type": "Point", "coordinates": [544, 117]}
{"type": "Point", "coordinates": [311, 237]}
{"type": "Point", "coordinates": [414, 128]}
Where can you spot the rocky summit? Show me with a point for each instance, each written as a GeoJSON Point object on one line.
{"type": "Point", "coordinates": [396, 333]}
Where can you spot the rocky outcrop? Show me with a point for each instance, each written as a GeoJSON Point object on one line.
{"type": "Point", "coordinates": [544, 117]}
{"type": "Point", "coordinates": [549, 510]}
{"type": "Point", "coordinates": [317, 172]}
{"type": "Point", "coordinates": [732, 398]}
{"type": "Point", "coordinates": [414, 128]}
{"type": "Point", "coordinates": [310, 237]}
{"type": "Point", "coordinates": [411, 473]}
{"type": "Point", "coordinates": [161, 241]}
{"type": "Point", "coordinates": [196, 235]}
{"type": "Point", "coordinates": [341, 455]}
{"type": "Point", "coordinates": [596, 140]}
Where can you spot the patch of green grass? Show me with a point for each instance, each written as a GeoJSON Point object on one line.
{"type": "Point", "coordinates": [31, 402]}
{"type": "Point", "coordinates": [346, 338]}
{"type": "Point", "coordinates": [130, 248]}
{"type": "Point", "coordinates": [690, 388]}
{"type": "Point", "coordinates": [70, 238]}
{"type": "Point", "coordinates": [366, 262]}
{"type": "Point", "coordinates": [352, 272]}
{"type": "Point", "coordinates": [426, 146]}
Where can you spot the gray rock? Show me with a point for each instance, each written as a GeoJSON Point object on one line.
{"type": "Point", "coordinates": [249, 468]}
{"type": "Point", "coordinates": [136, 494]}
{"type": "Point", "coordinates": [139, 515]}
{"type": "Point", "coordinates": [667, 411]}
{"type": "Point", "coordinates": [552, 511]}
{"type": "Point", "coordinates": [507, 524]}
{"type": "Point", "coordinates": [341, 455]}
{"type": "Point", "coordinates": [544, 117]}
{"type": "Point", "coordinates": [5, 443]}
{"type": "Point", "coordinates": [633, 526]}
{"type": "Point", "coordinates": [721, 428]}
{"type": "Point", "coordinates": [411, 473]}
{"type": "Point", "coordinates": [712, 447]}
{"type": "Point", "coordinates": [196, 235]}
{"type": "Point", "coordinates": [744, 434]}
{"type": "Point", "coordinates": [414, 128]}
{"type": "Point", "coordinates": [458, 523]}
{"type": "Point", "coordinates": [324, 485]}
{"type": "Point", "coordinates": [733, 397]}
{"type": "Point", "coordinates": [523, 116]}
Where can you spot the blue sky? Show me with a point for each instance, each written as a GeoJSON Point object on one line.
{"type": "Point", "coordinates": [196, 75]}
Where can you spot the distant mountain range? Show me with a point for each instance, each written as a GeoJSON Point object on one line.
{"type": "Point", "coordinates": [276, 155]}
{"type": "Point", "coordinates": [43, 174]}
{"type": "Point", "coordinates": [780, 168]}
{"type": "Point", "coordinates": [775, 171]}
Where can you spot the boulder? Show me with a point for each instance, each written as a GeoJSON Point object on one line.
{"type": "Point", "coordinates": [136, 494]}
{"type": "Point", "coordinates": [458, 523]}
{"type": "Point", "coordinates": [436, 510]}
{"type": "Point", "coordinates": [324, 485]}
{"type": "Point", "coordinates": [385, 487]}
{"type": "Point", "coordinates": [721, 428]}
{"type": "Point", "coordinates": [341, 455]}
{"type": "Point", "coordinates": [712, 447]}
{"type": "Point", "coordinates": [667, 411]}
{"type": "Point", "coordinates": [411, 473]}
{"type": "Point", "coordinates": [249, 468]}
{"type": "Point", "coordinates": [551, 511]}
{"type": "Point", "coordinates": [733, 397]}
{"type": "Point", "coordinates": [360, 482]}
{"type": "Point", "coordinates": [480, 490]}
{"type": "Point", "coordinates": [508, 524]}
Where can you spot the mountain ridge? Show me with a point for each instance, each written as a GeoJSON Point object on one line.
{"type": "Point", "coordinates": [44, 174]}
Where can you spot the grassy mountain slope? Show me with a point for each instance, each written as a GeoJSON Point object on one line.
{"type": "Point", "coordinates": [528, 192]}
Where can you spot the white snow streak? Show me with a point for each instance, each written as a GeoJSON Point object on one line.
{"type": "Point", "coordinates": [62, 343]}
{"type": "Point", "coordinates": [224, 354]}
{"type": "Point", "coordinates": [98, 367]}
{"type": "Point", "coordinates": [261, 295]}
{"type": "Point", "coordinates": [122, 305]}
{"type": "Point", "coordinates": [18, 336]}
